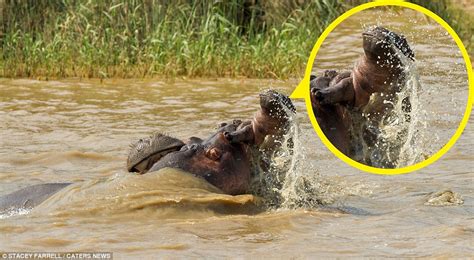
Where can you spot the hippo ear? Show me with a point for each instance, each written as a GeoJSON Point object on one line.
{"type": "Point", "coordinates": [213, 153]}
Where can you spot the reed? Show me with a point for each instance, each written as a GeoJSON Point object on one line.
{"type": "Point", "coordinates": [159, 38]}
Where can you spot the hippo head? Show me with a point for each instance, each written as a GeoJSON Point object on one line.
{"type": "Point", "coordinates": [221, 163]}
{"type": "Point", "coordinates": [276, 105]}
{"type": "Point", "coordinates": [324, 89]}
{"type": "Point", "coordinates": [226, 158]}
{"type": "Point", "coordinates": [385, 46]}
{"type": "Point", "coordinates": [316, 85]}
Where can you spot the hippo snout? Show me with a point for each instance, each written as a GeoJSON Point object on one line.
{"type": "Point", "coordinates": [276, 103]}
{"type": "Point", "coordinates": [379, 41]}
{"type": "Point", "coordinates": [228, 136]}
{"type": "Point", "coordinates": [321, 96]}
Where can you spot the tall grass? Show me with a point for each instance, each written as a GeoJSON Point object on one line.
{"type": "Point", "coordinates": [147, 38]}
{"type": "Point", "coordinates": [138, 38]}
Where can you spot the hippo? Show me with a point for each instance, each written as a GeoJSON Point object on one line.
{"type": "Point", "coordinates": [334, 119]}
{"type": "Point", "coordinates": [227, 159]}
{"type": "Point", "coordinates": [342, 101]}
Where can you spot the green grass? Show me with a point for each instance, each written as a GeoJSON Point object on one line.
{"type": "Point", "coordinates": [149, 38]}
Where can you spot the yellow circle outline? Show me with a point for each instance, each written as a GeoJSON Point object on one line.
{"type": "Point", "coordinates": [304, 93]}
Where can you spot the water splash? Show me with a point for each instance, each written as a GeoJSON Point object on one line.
{"type": "Point", "coordinates": [14, 212]}
{"type": "Point", "coordinates": [291, 181]}
{"type": "Point", "coordinates": [392, 137]}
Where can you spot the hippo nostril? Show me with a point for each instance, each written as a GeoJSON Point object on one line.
{"type": "Point", "coordinates": [321, 97]}
{"type": "Point", "coordinates": [227, 136]}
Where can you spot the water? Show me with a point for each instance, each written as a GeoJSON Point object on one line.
{"type": "Point", "coordinates": [80, 131]}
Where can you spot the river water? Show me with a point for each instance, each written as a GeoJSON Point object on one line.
{"type": "Point", "coordinates": [80, 130]}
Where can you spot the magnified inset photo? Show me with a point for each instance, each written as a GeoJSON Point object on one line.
{"type": "Point", "coordinates": [389, 87]}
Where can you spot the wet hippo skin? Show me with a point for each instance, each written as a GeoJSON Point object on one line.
{"type": "Point", "coordinates": [225, 159]}
{"type": "Point", "coordinates": [30, 197]}
{"type": "Point", "coordinates": [337, 96]}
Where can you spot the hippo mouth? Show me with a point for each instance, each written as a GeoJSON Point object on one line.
{"type": "Point", "coordinates": [384, 38]}
{"type": "Point", "coordinates": [276, 104]}
{"type": "Point", "coordinates": [225, 158]}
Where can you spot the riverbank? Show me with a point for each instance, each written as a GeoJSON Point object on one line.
{"type": "Point", "coordinates": [146, 38]}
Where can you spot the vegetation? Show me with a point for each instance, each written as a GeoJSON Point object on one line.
{"type": "Point", "coordinates": [148, 38]}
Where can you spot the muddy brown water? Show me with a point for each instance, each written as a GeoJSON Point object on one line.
{"type": "Point", "coordinates": [79, 131]}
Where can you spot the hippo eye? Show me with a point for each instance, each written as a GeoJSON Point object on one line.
{"type": "Point", "coordinates": [213, 154]}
